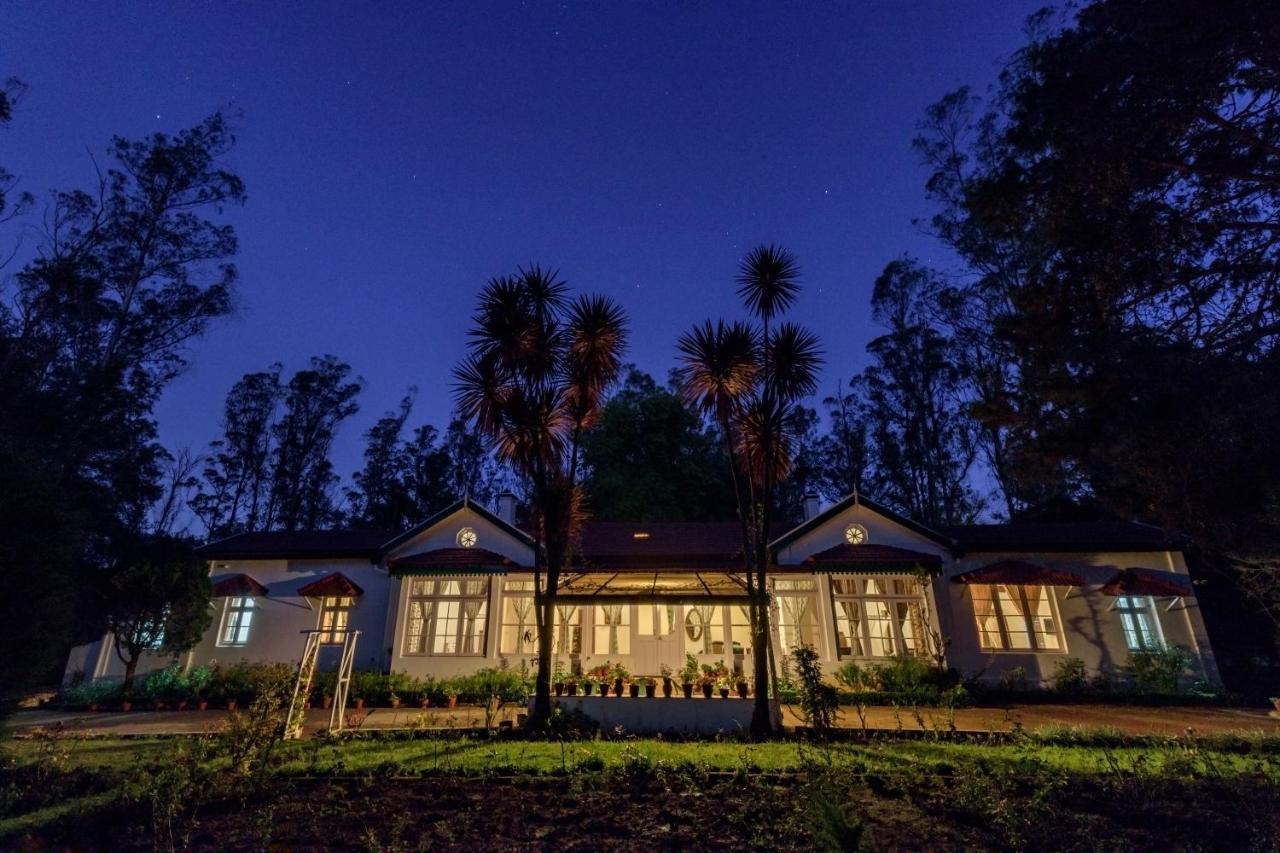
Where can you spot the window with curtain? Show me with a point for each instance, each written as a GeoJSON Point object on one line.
{"type": "Point", "coordinates": [1138, 618]}
{"type": "Point", "coordinates": [878, 616]}
{"type": "Point", "coordinates": [446, 616]}
{"type": "Point", "coordinates": [1015, 617]}
{"type": "Point", "coordinates": [655, 620]}
{"type": "Point", "coordinates": [797, 613]}
{"type": "Point", "coordinates": [335, 615]}
{"type": "Point", "coordinates": [613, 630]}
{"type": "Point", "coordinates": [519, 625]}
{"type": "Point", "coordinates": [704, 629]}
{"type": "Point", "coordinates": [237, 615]}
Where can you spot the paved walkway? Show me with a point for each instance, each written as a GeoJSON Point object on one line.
{"type": "Point", "coordinates": [1131, 720]}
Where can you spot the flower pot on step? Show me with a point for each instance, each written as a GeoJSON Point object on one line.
{"type": "Point", "coordinates": [687, 687]}
{"type": "Point", "coordinates": [617, 687]}
{"type": "Point", "coordinates": [666, 687]}
{"type": "Point", "coordinates": [742, 689]}
{"type": "Point", "coordinates": [572, 688]}
{"type": "Point", "coordinates": [635, 691]}
{"type": "Point", "coordinates": [558, 687]}
{"type": "Point", "coordinates": [724, 692]}
{"type": "Point", "coordinates": [706, 691]}
{"type": "Point", "coordinates": [327, 702]}
{"type": "Point", "coordinates": [231, 704]}
{"type": "Point", "coordinates": [202, 705]}
{"type": "Point", "coordinates": [604, 688]}
{"type": "Point", "coordinates": [453, 701]}
{"type": "Point", "coordinates": [359, 704]}
{"type": "Point", "coordinates": [126, 705]}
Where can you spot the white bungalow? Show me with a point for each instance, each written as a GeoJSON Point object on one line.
{"type": "Point", "coordinates": [857, 581]}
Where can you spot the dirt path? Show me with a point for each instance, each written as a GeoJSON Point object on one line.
{"type": "Point", "coordinates": [1132, 720]}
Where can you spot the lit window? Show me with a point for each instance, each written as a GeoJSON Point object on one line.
{"type": "Point", "coordinates": [855, 534]}
{"type": "Point", "coordinates": [613, 630]}
{"type": "Point", "coordinates": [519, 626]}
{"type": "Point", "coordinates": [704, 629]}
{"type": "Point", "coordinates": [655, 620]}
{"type": "Point", "coordinates": [335, 615]}
{"type": "Point", "coordinates": [568, 630]}
{"type": "Point", "coordinates": [237, 614]}
{"type": "Point", "coordinates": [446, 616]}
{"type": "Point", "coordinates": [878, 617]}
{"type": "Point", "coordinates": [1138, 617]}
{"type": "Point", "coordinates": [467, 537]}
{"type": "Point", "coordinates": [797, 613]}
{"type": "Point", "coordinates": [1015, 617]}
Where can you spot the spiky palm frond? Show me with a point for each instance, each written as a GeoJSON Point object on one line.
{"type": "Point", "coordinates": [596, 335]}
{"type": "Point", "coordinates": [768, 281]}
{"type": "Point", "coordinates": [719, 365]}
{"type": "Point", "coordinates": [795, 356]}
{"type": "Point", "coordinates": [765, 442]}
{"type": "Point", "coordinates": [481, 391]}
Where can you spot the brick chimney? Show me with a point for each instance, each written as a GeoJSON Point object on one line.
{"type": "Point", "coordinates": [810, 503]}
{"type": "Point", "coordinates": [507, 508]}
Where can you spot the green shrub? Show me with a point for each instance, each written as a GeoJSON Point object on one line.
{"type": "Point", "coordinates": [90, 693]}
{"type": "Point", "coordinates": [1157, 670]}
{"type": "Point", "coordinates": [818, 699]}
{"type": "Point", "coordinates": [855, 677]}
{"type": "Point", "coordinates": [1069, 676]}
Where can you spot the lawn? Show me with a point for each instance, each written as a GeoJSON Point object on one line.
{"type": "Point", "coordinates": [1056, 788]}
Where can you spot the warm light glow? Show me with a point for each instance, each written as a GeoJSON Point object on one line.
{"type": "Point", "coordinates": [855, 534]}
{"type": "Point", "coordinates": [467, 538]}
{"type": "Point", "coordinates": [639, 535]}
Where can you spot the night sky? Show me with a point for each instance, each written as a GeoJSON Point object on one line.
{"type": "Point", "coordinates": [396, 159]}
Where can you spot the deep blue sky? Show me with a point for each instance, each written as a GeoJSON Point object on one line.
{"type": "Point", "coordinates": [398, 155]}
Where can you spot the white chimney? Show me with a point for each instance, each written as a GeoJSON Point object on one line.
{"type": "Point", "coordinates": [507, 508]}
{"type": "Point", "coordinates": [810, 503]}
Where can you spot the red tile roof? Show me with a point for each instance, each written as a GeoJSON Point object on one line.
{"type": "Point", "coordinates": [330, 585]}
{"type": "Point", "coordinates": [662, 545]}
{"type": "Point", "coordinates": [865, 557]}
{"type": "Point", "coordinates": [455, 558]}
{"type": "Point", "coordinates": [1135, 581]}
{"type": "Point", "coordinates": [1020, 572]}
{"type": "Point", "coordinates": [239, 584]}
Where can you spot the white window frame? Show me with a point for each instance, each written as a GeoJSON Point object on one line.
{"type": "Point", "coordinates": [335, 618]}
{"type": "Point", "coordinates": [518, 594]}
{"type": "Point", "coordinates": [1132, 609]}
{"type": "Point", "coordinates": [1002, 620]}
{"type": "Point", "coordinates": [236, 621]}
{"type": "Point", "coordinates": [437, 602]}
{"type": "Point", "coordinates": [796, 589]}
{"type": "Point", "coordinates": [890, 599]}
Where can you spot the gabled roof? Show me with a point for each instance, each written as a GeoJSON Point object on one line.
{"type": "Point", "coordinates": [466, 503]}
{"type": "Point", "coordinates": [871, 558]}
{"type": "Point", "coordinates": [1020, 572]}
{"type": "Point", "coordinates": [456, 559]}
{"type": "Point", "coordinates": [296, 544]}
{"type": "Point", "coordinates": [1065, 536]}
{"type": "Point", "coordinates": [878, 508]}
{"type": "Point", "coordinates": [333, 584]}
{"type": "Point", "coordinates": [661, 544]}
{"type": "Point", "coordinates": [227, 586]}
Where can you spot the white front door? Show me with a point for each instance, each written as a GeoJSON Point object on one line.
{"type": "Point", "coordinates": [656, 639]}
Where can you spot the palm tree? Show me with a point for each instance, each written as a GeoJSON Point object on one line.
{"type": "Point", "coordinates": [750, 378]}
{"type": "Point", "coordinates": [536, 372]}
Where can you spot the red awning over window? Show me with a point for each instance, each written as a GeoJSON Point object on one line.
{"type": "Point", "coordinates": [336, 584]}
{"type": "Point", "coordinates": [1135, 581]}
{"type": "Point", "coordinates": [1020, 572]}
{"type": "Point", "coordinates": [228, 586]}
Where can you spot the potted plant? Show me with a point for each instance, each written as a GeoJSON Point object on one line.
{"type": "Point", "coordinates": [232, 703]}
{"type": "Point", "coordinates": [743, 689]}
{"type": "Point", "coordinates": [604, 687]}
{"type": "Point", "coordinates": [394, 700]}
{"type": "Point", "coordinates": [665, 671]}
{"type": "Point", "coordinates": [571, 688]}
{"type": "Point", "coordinates": [453, 700]}
{"type": "Point", "coordinates": [689, 675]}
{"type": "Point", "coordinates": [559, 688]}
{"type": "Point", "coordinates": [723, 686]}
{"type": "Point", "coordinates": [634, 688]}
{"type": "Point", "coordinates": [126, 704]}
{"type": "Point", "coordinates": [586, 687]}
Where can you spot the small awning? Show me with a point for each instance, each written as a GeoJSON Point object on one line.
{"type": "Point", "coordinates": [453, 560]}
{"type": "Point", "coordinates": [228, 586]}
{"type": "Point", "coordinates": [1020, 572]}
{"type": "Point", "coordinates": [871, 558]}
{"type": "Point", "coordinates": [331, 586]}
{"type": "Point", "coordinates": [1135, 581]}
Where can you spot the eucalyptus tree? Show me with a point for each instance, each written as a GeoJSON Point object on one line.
{"type": "Point", "coordinates": [750, 378]}
{"type": "Point", "coordinates": [534, 379]}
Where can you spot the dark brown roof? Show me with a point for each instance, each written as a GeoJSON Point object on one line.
{"type": "Point", "coordinates": [238, 584]}
{"type": "Point", "coordinates": [1147, 582]}
{"type": "Point", "coordinates": [334, 584]}
{"type": "Point", "coordinates": [872, 557]}
{"type": "Point", "coordinates": [1066, 536]}
{"type": "Point", "coordinates": [297, 544]}
{"type": "Point", "coordinates": [662, 544]}
{"type": "Point", "coordinates": [477, 559]}
{"type": "Point", "coordinates": [1020, 572]}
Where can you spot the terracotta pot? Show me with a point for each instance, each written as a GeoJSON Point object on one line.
{"type": "Point", "coordinates": [666, 687]}
{"type": "Point", "coordinates": [604, 688]}
{"type": "Point", "coordinates": [572, 688]}
{"type": "Point", "coordinates": [306, 705]}
{"type": "Point", "coordinates": [126, 705]}
{"type": "Point", "coordinates": [617, 687]}
{"type": "Point", "coordinates": [93, 706]}
{"type": "Point", "coordinates": [706, 691]}
{"type": "Point", "coordinates": [687, 687]}
{"type": "Point", "coordinates": [558, 687]}
{"type": "Point", "coordinates": [182, 704]}
{"type": "Point", "coordinates": [743, 689]}
{"type": "Point", "coordinates": [327, 702]}
{"type": "Point", "coordinates": [395, 703]}
{"type": "Point", "coordinates": [231, 704]}
{"type": "Point", "coordinates": [157, 706]}
{"type": "Point", "coordinates": [453, 701]}
{"type": "Point", "coordinates": [359, 704]}
{"type": "Point", "coordinates": [724, 692]}
{"type": "Point", "coordinates": [635, 691]}
{"type": "Point", "coordinates": [424, 702]}
{"type": "Point", "coordinates": [202, 705]}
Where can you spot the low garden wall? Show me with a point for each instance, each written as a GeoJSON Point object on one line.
{"type": "Point", "coordinates": [653, 715]}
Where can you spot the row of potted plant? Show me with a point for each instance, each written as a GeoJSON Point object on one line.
{"type": "Point", "coordinates": [614, 678]}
